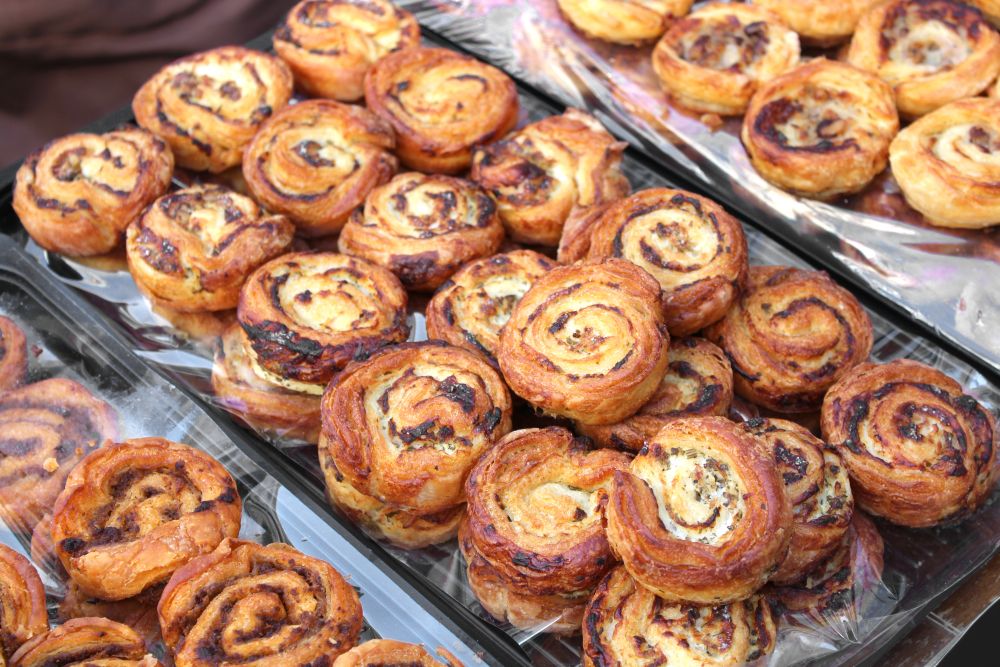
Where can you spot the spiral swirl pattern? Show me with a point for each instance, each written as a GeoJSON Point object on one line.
{"type": "Point", "coordinates": [77, 194]}
{"type": "Point", "coordinates": [22, 602]}
{"type": "Point", "coordinates": [919, 451]}
{"type": "Point", "coordinates": [423, 228]}
{"type": "Point", "coordinates": [623, 21]}
{"type": "Point", "coordinates": [317, 160]}
{"type": "Point", "coordinates": [13, 354]}
{"type": "Point", "coordinates": [132, 513]}
{"type": "Point", "coordinates": [209, 105]}
{"type": "Point", "coordinates": [819, 22]}
{"type": "Point", "coordinates": [86, 642]}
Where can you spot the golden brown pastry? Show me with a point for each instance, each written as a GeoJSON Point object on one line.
{"type": "Point", "coordinates": [133, 512]}
{"type": "Point", "coordinates": [13, 354]}
{"type": "Point", "coordinates": [391, 653]}
{"type": "Point", "coordinates": [193, 249]}
{"type": "Point", "coordinates": [818, 489]}
{"type": "Point", "coordinates": [86, 642]}
{"type": "Point", "coordinates": [947, 164]}
{"type": "Point", "coordinates": [251, 604]}
{"type": "Point", "coordinates": [821, 130]}
{"type": "Point", "coordinates": [930, 51]}
{"type": "Point", "coordinates": [819, 22]}
{"type": "Point", "coordinates": [551, 172]}
{"type": "Point", "coordinates": [331, 44]}
{"type": "Point", "coordinates": [442, 105]}
{"type": "Point", "coordinates": [713, 60]}
{"type": "Point", "coordinates": [22, 603]}
{"type": "Point", "coordinates": [587, 342]}
{"type": "Point", "coordinates": [628, 625]}
{"type": "Point", "coordinates": [989, 8]}
{"type": "Point", "coordinates": [138, 613]}
{"type": "Point", "coordinates": [623, 21]}
{"type": "Point", "coordinates": [423, 228]}
{"type": "Point", "coordinates": [696, 251]}
{"type": "Point", "coordinates": [209, 105]}
{"type": "Point", "coordinates": [76, 195]}
{"type": "Point", "coordinates": [47, 428]}
{"type": "Point", "coordinates": [792, 335]}
{"type": "Point", "coordinates": [317, 160]}
{"type": "Point", "coordinates": [472, 306]}
{"type": "Point", "coordinates": [306, 315]}
{"type": "Point", "coordinates": [918, 449]}
{"type": "Point", "coordinates": [701, 515]}
{"type": "Point", "coordinates": [698, 382]}
{"type": "Point", "coordinates": [408, 424]}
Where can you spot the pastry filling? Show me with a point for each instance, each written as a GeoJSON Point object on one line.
{"type": "Point", "coordinates": [552, 507]}
{"type": "Point", "coordinates": [427, 207]}
{"type": "Point", "coordinates": [817, 119]}
{"type": "Point", "coordinates": [726, 44]}
{"type": "Point", "coordinates": [928, 43]}
{"type": "Point", "coordinates": [967, 142]}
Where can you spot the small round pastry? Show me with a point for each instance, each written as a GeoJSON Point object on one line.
{"type": "Point", "coordinates": [331, 44]}
{"type": "Point", "coordinates": [701, 515]}
{"type": "Point", "coordinates": [209, 105]}
{"type": "Point", "coordinates": [931, 52]}
{"type": "Point", "coordinates": [947, 164]}
{"type": "Point", "coordinates": [818, 489]}
{"type": "Point", "coordinates": [22, 602]}
{"type": "Point", "coordinates": [549, 172]}
{"type": "Point", "coordinates": [790, 336]}
{"type": "Point", "coordinates": [423, 228]}
{"type": "Point", "coordinates": [76, 195]}
{"type": "Point", "coordinates": [713, 60]}
{"type": "Point", "coordinates": [629, 625]}
{"type": "Point", "coordinates": [317, 160]}
{"type": "Point", "coordinates": [919, 451]}
{"type": "Point", "coordinates": [536, 506]}
{"type": "Point", "coordinates": [587, 342]}
{"type": "Point", "coordinates": [442, 105]}
{"type": "Point", "coordinates": [623, 21]}
{"type": "Point", "coordinates": [821, 130]}
{"type": "Point", "coordinates": [306, 315]}
{"type": "Point", "coordinates": [47, 428]}
{"type": "Point", "coordinates": [472, 306]}
{"type": "Point", "coordinates": [408, 424]}
{"type": "Point", "coordinates": [696, 251]}
{"type": "Point", "coordinates": [13, 355]}
{"type": "Point", "coordinates": [133, 512]}
{"type": "Point", "coordinates": [391, 653]}
{"type": "Point", "coordinates": [86, 642]}
{"type": "Point", "coordinates": [193, 249]}
{"type": "Point", "coordinates": [214, 609]}
{"type": "Point", "coordinates": [819, 23]}
{"type": "Point", "coordinates": [264, 406]}
{"type": "Point", "coordinates": [698, 383]}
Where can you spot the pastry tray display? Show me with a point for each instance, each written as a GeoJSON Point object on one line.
{"type": "Point", "coordinates": [873, 240]}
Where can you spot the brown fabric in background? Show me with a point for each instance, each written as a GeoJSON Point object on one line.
{"type": "Point", "coordinates": [67, 63]}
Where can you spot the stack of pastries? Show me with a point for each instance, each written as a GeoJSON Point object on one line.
{"type": "Point", "coordinates": [570, 419]}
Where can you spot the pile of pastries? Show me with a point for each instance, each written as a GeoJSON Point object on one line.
{"type": "Point", "coordinates": [634, 435]}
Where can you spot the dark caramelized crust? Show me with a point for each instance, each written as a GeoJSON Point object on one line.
{"type": "Point", "coordinates": [820, 22]}
{"type": "Point", "coordinates": [442, 105]}
{"type": "Point", "coordinates": [549, 172]}
{"type": "Point", "coordinates": [698, 382]}
{"type": "Point", "coordinates": [22, 602]}
{"type": "Point", "coordinates": [821, 130]}
{"type": "Point", "coordinates": [792, 335]}
{"type": "Point", "coordinates": [77, 194]}
{"type": "Point", "coordinates": [623, 21]}
{"type": "Point", "coordinates": [587, 342]}
{"type": "Point", "coordinates": [86, 642]}
{"type": "Point", "coordinates": [919, 451]}
{"type": "Point", "coordinates": [13, 355]}
{"type": "Point", "coordinates": [408, 424]}
{"type": "Point", "coordinates": [701, 515]}
{"type": "Point", "coordinates": [331, 44]}
{"type": "Point", "coordinates": [627, 625]}
{"type": "Point", "coordinates": [132, 513]}
{"type": "Point", "coordinates": [45, 429]}
{"type": "Point", "coordinates": [192, 249]}
{"type": "Point", "coordinates": [317, 160]}
{"type": "Point", "coordinates": [209, 105]}
{"type": "Point", "coordinates": [930, 51]}
{"type": "Point", "coordinates": [473, 305]}
{"type": "Point", "coordinates": [251, 604]}
{"type": "Point", "coordinates": [423, 228]}
{"type": "Point", "coordinates": [818, 489]}
{"type": "Point", "coordinates": [306, 315]}
{"type": "Point", "coordinates": [391, 653]}
{"type": "Point", "coordinates": [285, 413]}
{"type": "Point", "coordinates": [696, 251]}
